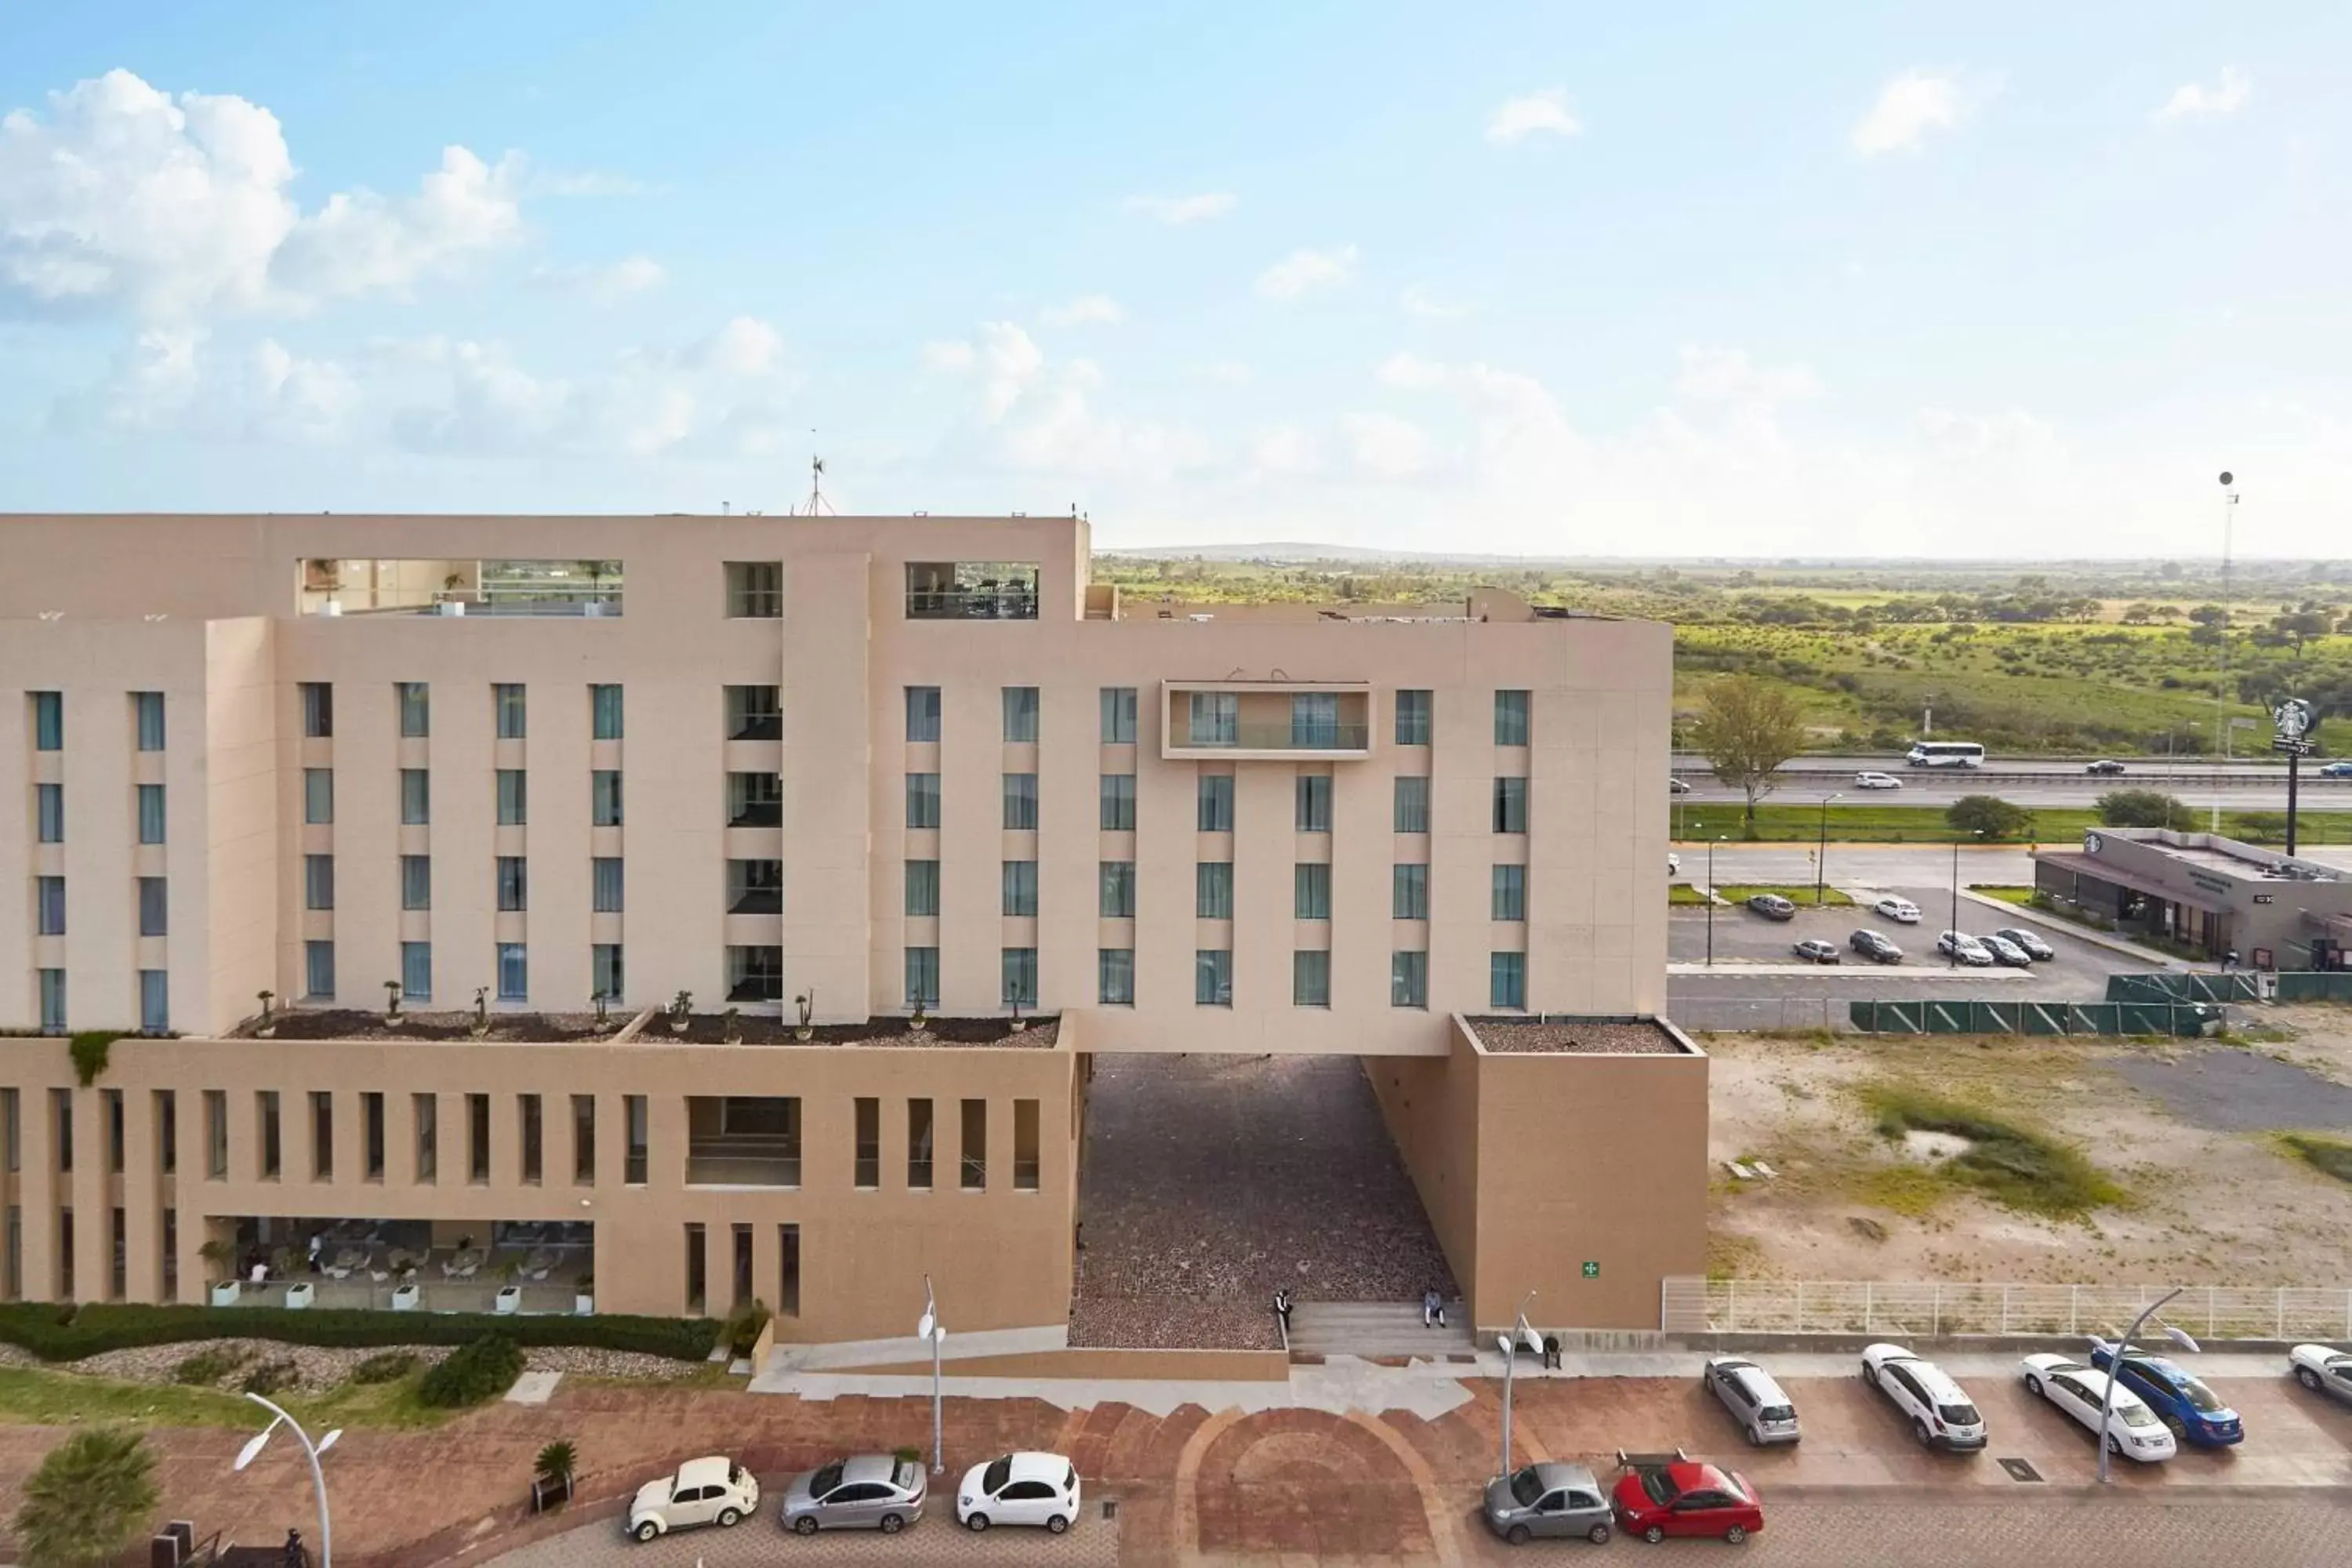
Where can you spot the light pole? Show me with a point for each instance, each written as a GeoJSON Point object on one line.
{"type": "Point", "coordinates": [1952, 959]}
{"type": "Point", "coordinates": [931, 1328]}
{"type": "Point", "coordinates": [1509, 1360]}
{"type": "Point", "coordinates": [1821, 851]}
{"type": "Point", "coordinates": [2116, 1365]}
{"type": "Point", "coordinates": [252, 1451]}
{"type": "Point", "coordinates": [1710, 898]}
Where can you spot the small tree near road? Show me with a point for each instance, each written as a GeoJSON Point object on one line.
{"type": "Point", "coordinates": [90, 1501]}
{"type": "Point", "coordinates": [1989, 814]}
{"type": "Point", "coordinates": [1746, 730]}
{"type": "Point", "coordinates": [2144, 809]}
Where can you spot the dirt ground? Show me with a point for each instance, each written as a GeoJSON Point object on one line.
{"type": "Point", "coordinates": [2212, 1198]}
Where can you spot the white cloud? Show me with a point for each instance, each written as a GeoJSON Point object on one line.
{"type": "Point", "coordinates": [1006, 358]}
{"type": "Point", "coordinates": [743, 347]}
{"type": "Point", "coordinates": [1386, 446]}
{"type": "Point", "coordinates": [1417, 301]}
{"type": "Point", "coordinates": [1039, 418]}
{"type": "Point", "coordinates": [2012, 431]}
{"type": "Point", "coordinates": [1284, 449]}
{"type": "Point", "coordinates": [1910, 106]}
{"type": "Point", "coordinates": [588, 183]}
{"type": "Point", "coordinates": [1182, 209]}
{"type": "Point", "coordinates": [1232, 372]}
{"type": "Point", "coordinates": [1536, 114]}
{"type": "Point", "coordinates": [123, 196]}
{"type": "Point", "coordinates": [2194, 100]}
{"type": "Point", "coordinates": [1726, 375]}
{"type": "Point", "coordinates": [606, 285]}
{"type": "Point", "coordinates": [1304, 270]}
{"type": "Point", "coordinates": [949, 354]}
{"type": "Point", "coordinates": [170, 381]}
{"type": "Point", "coordinates": [1086, 308]}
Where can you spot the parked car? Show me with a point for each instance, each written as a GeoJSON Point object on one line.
{"type": "Point", "coordinates": [1765, 1413]}
{"type": "Point", "coordinates": [872, 1491]}
{"type": "Point", "coordinates": [1939, 1411]}
{"type": "Point", "coordinates": [1674, 865]}
{"type": "Point", "coordinates": [2180, 1400]}
{"type": "Point", "coordinates": [1874, 947]}
{"type": "Point", "coordinates": [2005, 953]}
{"type": "Point", "coordinates": [2322, 1370]}
{"type": "Point", "coordinates": [2106, 767]}
{"type": "Point", "coordinates": [1677, 786]}
{"type": "Point", "coordinates": [713, 1490]}
{"type": "Point", "coordinates": [2133, 1432]}
{"type": "Point", "coordinates": [1772, 907]}
{"type": "Point", "coordinates": [1959, 944]}
{"type": "Point", "coordinates": [2336, 771]}
{"type": "Point", "coordinates": [2027, 943]}
{"type": "Point", "coordinates": [1548, 1500]}
{"type": "Point", "coordinates": [1877, 781]}
{"type": "Point", "coordinates": [1902, 912]}
{"type": "Point", "coordinates": [1020, 1489]}
{"type": "Point", "coordinates": [1683, 1497]}
{"type": "Point", "coordinates": [1813, 950]}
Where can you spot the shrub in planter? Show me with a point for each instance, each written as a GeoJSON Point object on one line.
{"type": "Point", "coordinates": [556, 1460]}
{"type": "Point", "coordinates": [743, 1329]}
{"type": "Point", "coordinates": [209, 1366]}
{"type": "Point", "coordinates": [389, 1367]}
{"type": "Point", "coordinates": [472, 1373]}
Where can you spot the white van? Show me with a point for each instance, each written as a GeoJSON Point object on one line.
{"type": "Point", "coordinates": [1946, 755]}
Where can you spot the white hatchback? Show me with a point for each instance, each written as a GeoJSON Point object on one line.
{"type": "Point", "coordinates": [1877, 781]}
{"type": "Point", "coordinates": [1902, 912]}
{"type": "Point", "coordinates": [2133, 1430]}
{"type": "Point", "coordinates": [1940, 1414]}
{"type": "Point", "coordinates": [715, 1490]}
{"type": "Point", "coordinates": [1020, 1489]}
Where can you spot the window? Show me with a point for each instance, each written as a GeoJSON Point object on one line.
{"type": "Point", "coordinates": [12, 1152]}
{"type": "Point", "coordinates": [477, 1139]}
{"type": "Point", "coordinates": [414, 701]}
{"type": "Point", "coordinates": [1118, 715]}
{"type": "Point", "coordinates": [1025, 1146]}
{"type": "Point", "coordinates": [1117, 803]}
{"type": "Point", "coordinates": [1020, 715]}
{"type": "Point", "coordinates": [151, 813]}
{"type": "Point", "coordinates": [154, 1001]}
{"type": "Point", "coordinates": [371, 1135]}
{"type": "Point", "coordinates": [53, 1001]}
{"type": "Point", "coordinates": [323, 1135]}
{"type": "Point", "coordinates": [1310, 978]}
{"type": "Point", "coordinates": [317, 796]}
{"type": "Point", "coordinates": [1212, 889]}
{"type": "Point", "coordinates": [507, 698]}
{"type": "Point", "coordinates": [922, 713]}
{"type": "Point", "coordinates": [1019, 885]}
{"type": "Point", "coordinates": [155, 907]}
{"type": "Point", "coordinates": [1313, 794]}
{"type": "Point", "coordinates": [49, 811]}
{"type": "Point", "coordinates": [922, 800]}
{"type": "Point", "coordinates": [415, 797]}
{"type": "Point", "coordinates": [1408, 980]}
{"type": "Point", "coordinates": [1020, 976]}
{"type": "Point", "coordinates": [755, 590]}
{"type": "Point", "coordinates": [1409, 892]}
{"type": "Point", "coordinates": [606, 977]}
{"type": "Point", "coordinates": [584, 1139]}
{"type": "Point", "coordinates": [1216, 802]}
{"type": "Point", "coordinates": [1510, 893]}
{"type": "Point", "coordinates": [922, 889]}
{"type": "Point", "coordinates": [1510, 717]}
{"type": "Point", "coordinates": [923, 977]}
{"type": "Point", "coordinates": [48, 721]}
{"type": "Point", "coordinates": [216, 1134]}
{"type": "Point", "coordinates": [1411, 804]}
{"type": "Point", "coordinates": [974, 1150]}
{"type": "Point", "coordinates": [1214, 719]}
{"type": "Point", "coordinates": [604, 712]}
{"type": "Point", "coordinates": [1311, 891]}
{"type": "Point", "coordinates": [416, 971]}
{"type": "Point", "coordinates": [1510, 806]}
{"type": "Point", "coordinates": [415, 882]}
{"type": "Point", "coordinates": [514, 883]}
{"type": "Point", "coordinates": [61, 1117]}
{"type": "Point", "coordinates": [514, 797]}
{"type": "Point", "coordinates": [1021, 801]}
{"type": "Point", "coordinates": [111, 1100]}
{"type": "Point", "coordinates": [318, 881]}
{"type": "Point", "coordinates": [639, 1150]}
{"type": "Point", "coordinates": [514, 972]}
{"type": "Point", "coordinates": [605, 797]}
{"type": "Point", "coordinates": [607, 884]}
{"type": "Point", "coordinates": [755, 974]}
{"type": "Point", "coordinates": [147, 720]}
{"type": "Point", "coordinates": [755, 713]}
{"type": "Point", "coordinates": [971, 590]}
{"type": "Point", "coordinates": [428, 1136]}
{"type": "Point", "coordinates": [273, 1152]}
{"type": "Point", "coordinates": [1412, 718]}
{"type": "Point", "coordinates": [1315, 719]}
{"type": "Point", "coordinates": [317, 708]}
{"type": "Point", "coordinates": [755, 800]}
{"type": "Point", "coordinates": [1117, 897]}
{"type": "Point", "coordinates": [1115, 976]}
{"type": "Point", "coordinates": [167, 1131]}
{"type": "Point", "coordinates": [1212, 977]}
{"type": "Point", "coordinates": [866, 1156]}
{"type": "Point", "coordinates": [919, 1143]}
{"type": "Point", "coordinates": [319, 971]}
{"type": "Point", "coordinates": [49, 895]}
{"type": "Point", "coordinates": [1507, 981]}
{"type": "Point", "coordinates": [533, 1130]}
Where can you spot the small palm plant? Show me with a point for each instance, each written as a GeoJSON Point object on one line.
{"type": "Point", "coordinates": [91, 1498]}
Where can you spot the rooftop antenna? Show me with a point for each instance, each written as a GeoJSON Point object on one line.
{"type": "Point", "coordinates": [816, 505]}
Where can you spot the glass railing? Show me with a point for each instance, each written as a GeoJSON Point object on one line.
{"type": "Point", "coordinates": [1011, 603]}
{"type": "Point", "coordinates": [1281, 737]}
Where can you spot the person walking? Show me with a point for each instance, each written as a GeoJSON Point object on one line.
{"type": "Point", "coordinates": [1433, 1309]}
{"type": "Point", "coordinates": [1551, 1352]}
{"type": "Point", "coordinates": [297, 1554]}
{"type": "Point", "coordinates": [1282, 1310]}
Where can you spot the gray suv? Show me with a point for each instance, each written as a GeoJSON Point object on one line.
{"type": "Point", "coordinates": [1754, 1401]}
{"type": "Point", "coordinates": [1548, 1500]}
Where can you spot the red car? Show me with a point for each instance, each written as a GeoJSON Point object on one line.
{"type": "Point", "coordinates": [1683, 1497]}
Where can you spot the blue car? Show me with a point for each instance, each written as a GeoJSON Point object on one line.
{"type": "Point", "coordinates": [2194, 1412]}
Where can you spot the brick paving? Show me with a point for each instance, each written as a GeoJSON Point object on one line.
{"type": "Point", "coordinates": [1208, 1180]}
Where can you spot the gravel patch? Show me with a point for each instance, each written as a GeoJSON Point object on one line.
{"type": "Point", "coordinates": [1580, 1038]}
{"type": "Point", "coordinates": [585, 1360]}
{"type": "Point", "coordinates": [2241, 1092]}
{"type": "Point", "coordinates": [316, 1368]}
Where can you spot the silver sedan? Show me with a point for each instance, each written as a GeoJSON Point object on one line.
{"type": "Point", "coordinates": [872, 1491]}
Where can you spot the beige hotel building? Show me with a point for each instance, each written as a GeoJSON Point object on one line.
{"type": "Point", "coordinates": [867, 770]}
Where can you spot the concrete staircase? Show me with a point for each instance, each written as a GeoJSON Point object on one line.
{"type": "Point", "coordinates": [1375, 1329]}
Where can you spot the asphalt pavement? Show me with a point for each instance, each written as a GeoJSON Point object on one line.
{"type": "Point", "coordinates": [2243, 784]}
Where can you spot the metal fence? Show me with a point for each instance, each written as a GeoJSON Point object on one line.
{"type": "Point", "coordinates": [1968, 1017]}
{"type": "Point", "coordinates": [1752, 1014]}
{"type": "Point", "coordinates": [2236, 986]}
{"type": "Point", "coordinates": [1933, 1308]}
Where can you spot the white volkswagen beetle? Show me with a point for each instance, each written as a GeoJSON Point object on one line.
{"type": "Point", "coordinates": [2134, 1432]}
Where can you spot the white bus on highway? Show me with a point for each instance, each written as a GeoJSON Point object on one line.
{"type": "Point", "coordinates": [1946, 755]}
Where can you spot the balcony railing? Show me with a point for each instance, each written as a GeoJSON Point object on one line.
{"type": "Point", "coordinates": [1280, 737]}
{"type": "Point", "coordinates": [740, 1162]}
{"type": "Point", "coordinates": [1010, 603]}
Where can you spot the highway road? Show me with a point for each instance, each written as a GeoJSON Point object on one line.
{"type": "Point", "coordinates": [2241, 786]}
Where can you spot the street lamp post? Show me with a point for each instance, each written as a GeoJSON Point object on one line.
{"type": "Point", "coordinates": [1821, 851]}
{"type": "Point", "coordinates": [2115, 1364]}
{"type": "Point", "coordinates": [931, 1328]}
{"type": "Point", "coordinates": [1952, 959]}
{"type": "Point", "coordinates": [252, 1451]}
{"type": "Point", "coordinates": [1710, 898]}
{"type": "Point", "coordinates": [1509, 1360]}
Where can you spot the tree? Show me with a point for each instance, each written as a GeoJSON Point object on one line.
{"type": "Point", "coordinates": [2143, 808]}
{"type": "Point", "coordinates": [90, 1499]}
{"type": "Point", "coordinates": [2301, 625]}
{"type": "Point", "coordinates": [1746, 730]}
{"type": "Point", "coordinates": [1989, 814]}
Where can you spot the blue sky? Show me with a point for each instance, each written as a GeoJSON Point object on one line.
{"type": "Point", "coordinates": [1967, 280]}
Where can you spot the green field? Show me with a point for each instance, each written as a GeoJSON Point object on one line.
{"type": "Point", "coordinates": [1801, 896]}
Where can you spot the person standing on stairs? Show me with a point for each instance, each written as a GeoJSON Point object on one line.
{"type": "Point", "coordinates": [1433, 1309]}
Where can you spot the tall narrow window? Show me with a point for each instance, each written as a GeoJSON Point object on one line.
{"type": "Point", "coordinates": [1020, 715]}
{"type": "Point", "coordinates": [1216, 804]}
{"type": "Point", "coordinates": [1311, 890]}
{"type": "Point", "coordinates": [607, 975]}
{"type": "Point", "coordinates": [1020, 976]}
{"type": "Point", "coordinates": [12, 1131]}
{"type": "Point", "coordinates": [922, 713]}
{"type": "Point", "coordinates": [639, 1150]}
{"type": "Point", "coordinates": [698, 1269]}
{"type": "Point", "coordinates": [155, 1001]}
{"type": "Point", "coordinates": [1510, 900]}
{"type": "Point", "coordinates": [53, 1001]}
{"type": "Point", "coordinates": [323, 1135]}
{"type": "Point", "coordinates": [1310, 978]}
{"type": "Point", "coordinates": [319, 971]}
{"type": "Point", "coordinates": [414, 701]}
{"type": "Point", "coordinates": [918, 1144]}
{"type": "Point", "coordinates": [1118, 715]}
{"type": "Point", "coordinates": [922, 889]}
{"type": "Point", "coordinates": [1409, 892]}
{"type": "Point", "coordinates": [514, 883]}
{"type": "Point", "coordinates": [605, 797]}
{"type": "Point", "coordinates": [514, 972]}
{"type": "Point", "coordinates": [604, 712]}
{"type": "Point", "coordinates": [372, 1134]}
{"type": "Point", "coordinates": [1025, 1146]}
{"type": "Point", "coordinates": [48, 721]}
{"type": "Point", "coordinates": [923, 977]}
{"type": "Point", "coordinates": [428, 1137]}
{"type": "Point", "coordinates": [61, 1117]}
{"type": "Point", "coordinates": [584, 1139]}
{"type": "Point", "coordinates": [514, 797]}
{"type": "Point", "coordinates": [49, 812]}
{"type": "Point", "coordinates": [1115, 976]}
{"type": "Point", "coordinates": [922, 800]}
{"type": "Point", "coordinates": [1412, 718]}
{"type": "Point", "coordinates": [477, 1139]}
{"type": "Point", "coordinates": [534, 1134]}
{"type": "Point", "coordinates": [318, 699]}
{"type": "Point", "coordinates": [1019, 888]}
{"type": "Point", "coordinates": [1212, 977]}
{"type": "Point", "coordinates": [1507, 985]}
{"type": "Point", "coordinates": [974, 1146]}
{"type": "Point", "coordinates": [273, 1151]}
{"type": "Point", "coordinates": [415, 882]}
{"type": "Point", "coordinates": [147, 720]}
{"type": "Point", "coordinates": [1408, 980]}
{"type": "Point", "coordinates": [755, 713]}
{"type": "Point", "coordinates": [507, 698]}
{"type": "Point", "coordinates": [318, 881]}
{"type": "Point", "coordinates": [1212, 889]}
{"type": "Point", "coordinates": [607, 885]}
{"type": "Point", "coordinates": [49, 897]}
{"type": "Point", "coordinates": [151, 813]}
{"type": "Point", "coordinates": [755, 590]}
{"type": "Point", "coordinates": [167, 1131]}
{"type": "Point", "coordinates": [116, 1154]}
{"type": "Point", "coordinates": [1117, 803]}
{"type": "Point", "coordinates": [865, 1158]}
{"type": "Point", "coordinates": [1313, 792]}
{"type": "Point", "coordinates": [1411, 803]}
{"type": "Point", "coordinates": [788, 1271]}
{"type": "Point", "coordinates": [317, 796]}
{"type": "Point", "coordinates": [1021, 801]}
{"type": "Point", "coordinates": [1117, 895]}
{"type": "Point", "coordinates": [415, 797]}
{"type": "Point", "coordinates": [1214, 717]}
{"type": "Point", "coordinates": [1510, 806]}
{"type": "Point", "coordinates": [416, 971]}
{"type": "Point", "coordinates": [216, 1134]}
{"type": "Point", "coordinates": [155, 907]}
{"type": "Point", "coordinates": [1511, 717]}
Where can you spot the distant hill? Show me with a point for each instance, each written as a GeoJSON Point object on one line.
{"type": "Point", "coordinates": [1285, 553]}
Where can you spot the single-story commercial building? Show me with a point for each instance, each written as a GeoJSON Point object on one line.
{"type": "Point", "coordinates": [2216, 894]}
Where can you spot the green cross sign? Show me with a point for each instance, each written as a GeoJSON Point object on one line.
{"type": "Point", "coordinates": [1592, 1268]}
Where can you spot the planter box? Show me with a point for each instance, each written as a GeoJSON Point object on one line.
{"type": "Point", "coordinates": [405, 1298]}
{"type": "Point", "coordinates": [298, 1296]}
{"type": "Point", "coordinates": [225, 1293]}
{"type": "Point", "coordinates": [584, 1306]}
{"type": "Point", "coordinates": [510, 1299]}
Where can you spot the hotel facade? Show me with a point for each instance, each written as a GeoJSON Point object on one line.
{"type": "Point", "coordinates": [660, 835]}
